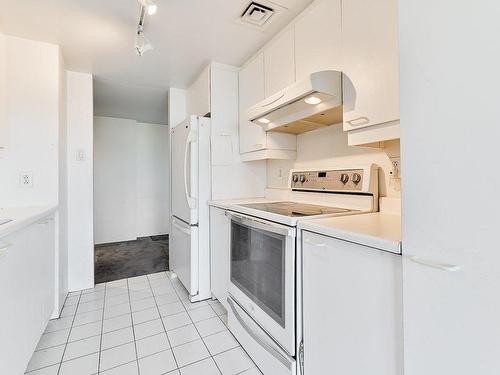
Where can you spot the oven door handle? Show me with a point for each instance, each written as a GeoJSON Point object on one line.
{"type": "Point", "coordinates": [261, 224]}
{"type": "Point", "coordinates": [275, 353]}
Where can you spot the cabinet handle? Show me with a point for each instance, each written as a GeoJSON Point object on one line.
{"type": "Point", "coordinates": [359, 121]}
{"type": "Point", "coordinates": [314, 243]}
{"type": "Point", "coordinates": [273, 100]}
{"type": "Point", "coordinates": [4, 247]}
{"type": "Point", "coordinates": [439, 266]}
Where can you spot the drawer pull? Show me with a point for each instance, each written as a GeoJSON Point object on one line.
{"type": "Point", "coordinates": [439, 266]}
{"type": "Point", "coordinates": [4, 247]}
{"type": "Point", "coordinates": [359, 121]}
{"type": "Point", "coordinates": [273, 100]}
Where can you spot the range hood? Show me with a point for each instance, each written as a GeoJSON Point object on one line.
{"type": "Point", "coordinates": [306, 105]}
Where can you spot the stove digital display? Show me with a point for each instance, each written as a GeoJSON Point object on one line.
{"type": "Point", "coordinates": [321, 174]}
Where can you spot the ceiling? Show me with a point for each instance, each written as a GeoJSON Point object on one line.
{"type": "Point", "coordinates": [97, 36]}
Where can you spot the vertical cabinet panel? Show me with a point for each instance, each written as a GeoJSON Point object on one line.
{"type": "Point", "coordinates": [251, 91]}
{"type": "Point", "coordinates": [3, 98]}
{"type": "Point", "coordinates": [370, 61]}
{"type": "Point", "coordinates": [352, 308]}
{"type": "Point", "coordinates": [199, 95]}
{"type": "Point", "coordinates": [27, 292]}
{"type": "Point", "coordinates": [219, 245]}
{"type": "Point", "coordinates": [318, 38]}
{"type": "Point", "coordinates": [279, 62]}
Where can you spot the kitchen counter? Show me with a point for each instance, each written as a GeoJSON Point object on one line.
{"type": "Point", "coordinates": [22, 217]}
{"type": "Point", "coordinates": [378, 230]}
{"type": "Point", "coordinates": [228, 203]}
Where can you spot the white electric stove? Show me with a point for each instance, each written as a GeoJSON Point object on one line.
{"type": "Point", "coordinates": [262, 294]}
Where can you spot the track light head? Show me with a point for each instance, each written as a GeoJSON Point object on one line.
{"type": "Point", "coordinates": [150, 5]}
{"type": "Point", "coordinates": [142, 44]}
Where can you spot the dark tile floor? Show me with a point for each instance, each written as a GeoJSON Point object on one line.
{"type": "Point", "coordinates": [121, 260]}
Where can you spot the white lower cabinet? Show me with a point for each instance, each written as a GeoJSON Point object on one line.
{"type": "Point", "coordinates": [219, 257]}
{"type": "Point", "coordinates": [352, 308]}
{"type": "Point", "coordinates": [27, 292]}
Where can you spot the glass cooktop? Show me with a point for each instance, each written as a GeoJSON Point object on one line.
{"type": "Point", "coordinates": [294, 209]}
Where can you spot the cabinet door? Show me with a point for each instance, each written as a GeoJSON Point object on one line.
{"type": "Point", "coordinates": [279, 62]}
{"type": "Point", "coordinates": [219, 245]}
{"type": "Point", "coordinates": [318, 38]}
{"type": "Point", "coordinates": [352, 308]}
{"type": "Point", "coordinates": [199, 95]}
{"type": "Point", "coordinates": [27, 285]}
{"type": "Point", "coordinates": [370, 55]}
{"type": "Point", "coordinates": [251, 91]}
{"type": "Point", "coordinates": [452, 289]}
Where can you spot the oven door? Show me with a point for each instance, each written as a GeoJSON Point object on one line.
{"type": "Point", "coordinates": [262, 275]}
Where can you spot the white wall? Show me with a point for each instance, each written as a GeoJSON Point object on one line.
{"type": "Point", "coordinates": [80, 181]}
{"type": "Point", "coordinates": [30, 122]}
{"type": "Point", "coordinates": [115, 176]}
{"type": "Point", "coordinates": [152, 179]}
{"type": "Point", "coordinates": [327, 147]}
{"type": "Point", "coordinates": [61, 254]}
{"type": "Point", "coordinates": [130, 179]}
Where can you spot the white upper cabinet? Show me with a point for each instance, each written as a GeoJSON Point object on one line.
{"type": "Point", "coordinates": [279, 62]}
{"type": "Point", "coordinates": [199, 94]}
{"type": "Point", "coordinates": [370, 61]}
{"type": "Point", "coordinates": [251, 90]}
{"type": "Point", "coordinates": [318, 38]}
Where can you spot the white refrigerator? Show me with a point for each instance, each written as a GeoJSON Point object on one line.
{"type": "Point", "coordinates": [191, 191]}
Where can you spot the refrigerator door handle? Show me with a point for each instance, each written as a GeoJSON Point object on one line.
{"type": "Point", "coordinates": [189, 141]}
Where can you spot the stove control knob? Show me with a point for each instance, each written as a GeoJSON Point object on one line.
{"type": "Point", "coordinates": [356, 178]}
{"type": "Point", "coordinates": [295, 178]}
{"type": "Point", "coordinates": [344, 178]}
{"type": "Point", "coordinates": [303, 178]}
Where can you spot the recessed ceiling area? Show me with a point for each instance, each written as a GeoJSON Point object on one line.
{"type": "Point", "coordinates": [97, 36]}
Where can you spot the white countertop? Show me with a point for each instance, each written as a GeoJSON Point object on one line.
{"type": "Point", "coordinates": [22, 217]}
{"type": "Point", "coordinates": [378, 230]}
{"type": "Point", "coordinates": [227, 204]}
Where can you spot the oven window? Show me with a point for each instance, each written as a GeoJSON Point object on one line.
{"type": "Point", "coordinates": [258, 268]}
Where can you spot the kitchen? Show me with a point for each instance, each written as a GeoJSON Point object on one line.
{"type": "Point", "coordinates": [318, 205]}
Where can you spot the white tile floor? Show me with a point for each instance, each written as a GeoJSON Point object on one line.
{"type": "Point", "coordinates": [143, 325]}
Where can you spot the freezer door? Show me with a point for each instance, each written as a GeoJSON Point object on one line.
{"type": "Point", "coordinates": [184, 254]}
{"type": "Point", "coordinates": [184, 178]}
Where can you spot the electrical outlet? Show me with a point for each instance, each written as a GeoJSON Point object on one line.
{"type": "Point", "coordinates": [26, 179]}
{"type": "Point", "coordinates": [395, 172]}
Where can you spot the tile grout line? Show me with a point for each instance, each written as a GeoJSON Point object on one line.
{"type": "Point", "coordinates": [177, 290]}
{"type": "Point", "coordinates": [102, 329]}
{"type": "Point", "coordinates": [201, 338]}
{"type": "Point", "coordinates": [133, 330]}
{"type": "Point", "coordinates": [69, 333]}
{"type": "Point", "coordinates": [161, 318]}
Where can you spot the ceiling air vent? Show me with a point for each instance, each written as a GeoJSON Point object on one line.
{"type": "Point", "coordinates": [257, 14]}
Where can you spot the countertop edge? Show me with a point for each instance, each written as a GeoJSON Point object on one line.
{"type": "Point", "coordinates": [384, 244]}
{"type": "Point", "coordinates": [21, 223]}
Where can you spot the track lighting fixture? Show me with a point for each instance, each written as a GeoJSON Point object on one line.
{"type": "Point", "coordinates": [150, 5]}
{"type": "Point", "coordinates": [142, 44]}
